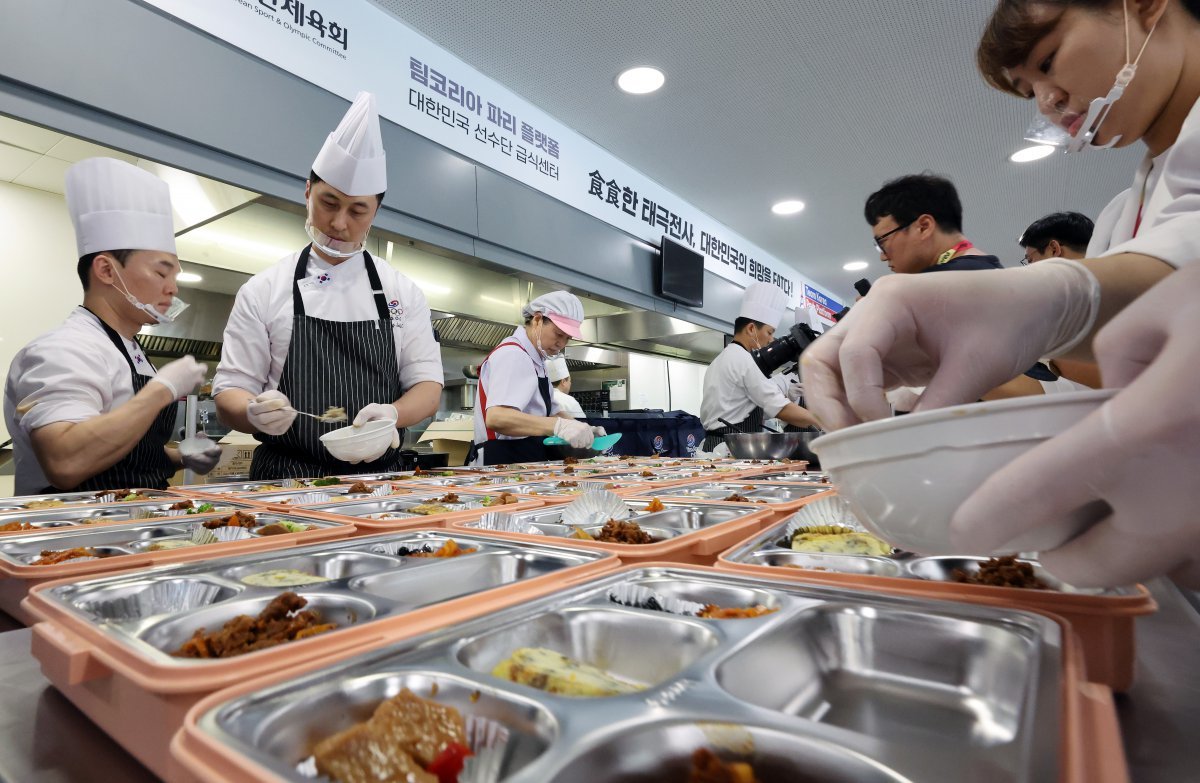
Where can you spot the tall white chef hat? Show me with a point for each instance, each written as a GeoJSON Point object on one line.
{"type": "Point", "coordinates": [352, 158]}
{"type": "Point", "coordinates": [764, 303]}
{"type": "Point", "coordinates": [556, 369]}
{"type": "Point", "coordinates": [114, 205]}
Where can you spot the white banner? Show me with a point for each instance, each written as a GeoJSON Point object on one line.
{"type": "Point", "coordinates": [349, 45]}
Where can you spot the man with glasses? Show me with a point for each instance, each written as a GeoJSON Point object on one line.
{"type": "Point", "coordinates": [917, 222]}
{"type": "Point", "coordinates": [1058, 235]}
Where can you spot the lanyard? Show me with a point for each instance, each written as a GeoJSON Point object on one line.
{"type": "Point", "coordinates": [949, 254]}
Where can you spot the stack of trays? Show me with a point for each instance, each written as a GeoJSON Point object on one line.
{"type": "Point", "coordinates": [75, 499]}
{"type": "Point", "coordinates": [1104, 619]}
{"type": "Point", "coordinates": [779, 497]}
{"type": "Point", "coordinates": [106, 642]}
{"type": "Point", "coordinates": [133, 545]}
{"type": "Point", "coordinates": [389, 514]}
{"type": "Point", "coordinates": [684, 532]}
{"type": "Point", "coordinates": [832, 685]}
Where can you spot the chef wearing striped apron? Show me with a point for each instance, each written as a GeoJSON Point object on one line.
{"type": "Point", "coordinates": [330, 326]}
{"type": "Point", "coordinates": [85, 408]}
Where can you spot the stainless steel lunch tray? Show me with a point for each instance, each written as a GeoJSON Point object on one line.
{"type": "Point", "coordinates": [678, 518]}
{"type": "Point", "coordinates": [154, 612]}
{"type": "Point", "coordinates": [836, 685]}
{"type": "Point", "coordinates": [767, 548]}
{"type": "Point", "coordinates": [252, 489]}
{"type": "Point", "coordinates": [122, 539]}
{"type": "Point", "coordinates": [395, 506]}
{"type": "Point", "coordinates": [19, 503]}
{"type": "Point", "coordinates": [546, 487]}
{"type": "Point", "coordinates": [794, 477]}
{"type": "Point", "coordinates": [765, 493]}
{"type": "Point", "coordinates": [67, 516]}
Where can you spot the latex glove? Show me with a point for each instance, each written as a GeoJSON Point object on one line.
{"type": "Point", "coordinates": [575, 432]}
{"type": "Point", "coordinates": [1138, 453]}
{"type": "Point", "coordinates": [199, 454]}
{"type": "Point", "coordinates": [181, 376]}
{"type": "Point", "coordinates": [958, 335]}
{"type": "Point", "coordinates": [379, 412]}
{"type": "Point", "coordinates": [903, 398]}
{"type": "Point", "coordinates": [599, 432]}
{"type": "Point", "coordinates": [271, 413]}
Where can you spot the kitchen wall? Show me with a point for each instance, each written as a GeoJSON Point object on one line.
{"type": "Point", "coordinates": [40, 286]}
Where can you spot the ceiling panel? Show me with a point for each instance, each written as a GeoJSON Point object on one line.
{"type": "Point", "coordinates": [45, 173]}
{"type": "Point", "coordinates": [773, 99]}
{"type": "Point", "coordinates": [14, 160]}
{"type": "Point", "coordinates": [26, 136]}
{"type": "Point", "coordinates": [74, 150]}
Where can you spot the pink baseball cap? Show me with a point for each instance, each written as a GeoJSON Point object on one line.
{"type": "Point", "coordinates": [562, 308]}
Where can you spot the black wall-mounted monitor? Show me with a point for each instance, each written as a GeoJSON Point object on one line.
{"type": "Point", "coordinates": [681, 274]}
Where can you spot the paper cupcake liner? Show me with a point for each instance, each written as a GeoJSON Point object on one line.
{"type": "Point", "coordinates": [488, 740]}
{"type": "Point", "coordinates": [202, 535]}
{"type": "Point", "coordinates": [595, 507]}
{"type": "Point", "coordinates": [289, 483]}
{"type": "Point", "coordinates": [309, 498]}
{"type": "Point", "coordinates": [504, 522]}
{"type": "Point", "coordinates": [109, 497]}
{"type": "Point", "coordinates": [158, 598]}
{"type": "Point", "coordinates": [381, 490]}
{"type": "Point", "coordinates": [642, 597]}
{"type": "Point", "coordinates": [176, 512]}
{"type": "Point", "coordinates": [823, 512]}
{"type": "Point", "coordinates": [145, 513]}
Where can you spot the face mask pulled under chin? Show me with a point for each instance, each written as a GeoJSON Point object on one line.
{"type": "Point", "coordinates": [327, 244]}
{"type": "Point", "coordinates": [176, 307]}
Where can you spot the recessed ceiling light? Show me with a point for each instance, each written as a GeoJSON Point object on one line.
{"type": "Point", "coordinates": [1036, 152]}
{"type": "Point", "coordinates": [188, 277]}
{"type": "Point", "coordinates": [789, 207]}
{"type": "Point", "coordinates": [640, 81]}
{"type": "Point", "coordinates": [854, 266]}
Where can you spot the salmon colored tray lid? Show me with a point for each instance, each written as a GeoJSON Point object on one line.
{"type": "Point", "coordinates": [1090, 739]}
{"type": "Point", "coordinates": [88, 653]}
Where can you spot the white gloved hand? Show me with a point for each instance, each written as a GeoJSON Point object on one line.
{"type": "Point", "coordinates": [599, 432]}
{"type": "Point", "coordinates": [271, 413]}
{"type": "Point", "coordinates": [199, 454]}
{"type": "Point", "coordinates": [379, 412]}
{"type": "Point", "coordinates": [957, 335]}
{"type": "Point", "coordinates": [181, 376]}
{"type": "Point", "coordinates": [575, 432]}
{"type": "Point", "coordinates": [1138, 453]}
{"type": "Point", "coordinates": [903, 398]}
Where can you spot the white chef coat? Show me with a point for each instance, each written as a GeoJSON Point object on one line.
{"type": "Point", "coordinates": [1170, 228]}
{"type": "Point", "coordinates": [509, 378]}
{"type": "Point", "coordinates": [259, 331]}
{"type": "Point", "coordinates": [75, 374]}
{"type": "Point", "coordinates": [567, 404]}
{"type": "Point", "coordinates": [734, 386]}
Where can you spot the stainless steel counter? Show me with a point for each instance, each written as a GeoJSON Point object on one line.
{"type": "Point", "coordinates": [47, 740]}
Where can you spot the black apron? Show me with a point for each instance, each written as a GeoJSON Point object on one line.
{"type": "Point", "coordinates": [752, 423]}
{"type": "Point", "coordinates": [147, 466]}
{"type": "Point", "coordinates": [350, 364]}
{"type": "Point", "coordinates": [498, 451]}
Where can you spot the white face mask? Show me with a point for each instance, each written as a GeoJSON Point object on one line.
{"type": "Point", "coordinates": [176, 307]}
{"type": "Point", "coordinates": [1043, 131]}
{"type": "Point", "coordinates": [335, 248]}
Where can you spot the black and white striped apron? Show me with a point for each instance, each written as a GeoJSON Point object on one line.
{"type": "Point", "coordinates": [147, 466]}
{"type": "Point", "coordinates": [349, 364]}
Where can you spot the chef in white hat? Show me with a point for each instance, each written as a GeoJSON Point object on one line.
{"type": "Point", "coordinates": [330, 326]}
{"type": "Point", "coordinates": [560, 379]}
{"type": "Point", "coordinates": [85, 408]}
{"type": "Point", "coordinates": [737, 396]}
{"type": "Point", "coordinates": [515, 410]}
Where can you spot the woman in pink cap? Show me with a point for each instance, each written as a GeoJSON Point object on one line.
{"type": "Point", "coordinates": [515, 411]}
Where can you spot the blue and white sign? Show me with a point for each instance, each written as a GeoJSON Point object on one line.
{"type": "Point", "coordinates": [349, 45]}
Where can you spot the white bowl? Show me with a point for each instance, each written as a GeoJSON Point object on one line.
{"type": "Point", "coordinates": [905, 477]}
{"type": "Point", "coordinates": [354, 444]}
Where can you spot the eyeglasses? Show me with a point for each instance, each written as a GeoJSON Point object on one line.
{"type": "Point", "coordinates": [879, 240]}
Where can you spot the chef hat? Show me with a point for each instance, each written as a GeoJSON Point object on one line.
{"type": "Point", "coordinates": [114, 205]}
{"type": "Point", "coordinates": [764, 303]}
{"type": "Point", "coordinates": [556, 369]}
{"type": "Point", "coordinates": [352, 158]}
{"type": "Point", "coordinates": [562, 307]}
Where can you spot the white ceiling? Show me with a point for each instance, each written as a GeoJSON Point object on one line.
{"type": "Point", "coordinates": [773, 99]}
